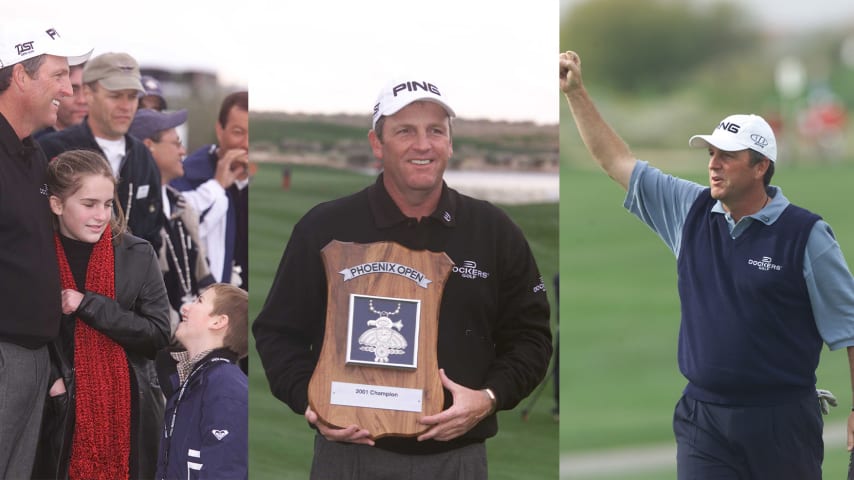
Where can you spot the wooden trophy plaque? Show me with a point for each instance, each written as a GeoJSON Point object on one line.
{"type": "Point", "coordinates": [378, 367]}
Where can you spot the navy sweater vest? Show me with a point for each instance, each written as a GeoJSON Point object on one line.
{"type": "Point", "coordinates": [748, 336]}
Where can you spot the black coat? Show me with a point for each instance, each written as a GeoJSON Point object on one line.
{"type": "Point", "coordinates": [138, 320]}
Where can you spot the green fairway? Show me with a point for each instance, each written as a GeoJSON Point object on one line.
{"type": "Point", "coordinates": [620, 312]}
{"type": "Point", "coordinates": [281, 443]}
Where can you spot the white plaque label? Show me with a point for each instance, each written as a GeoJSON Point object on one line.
{"type": "Point", "coordinates": [374, 396]}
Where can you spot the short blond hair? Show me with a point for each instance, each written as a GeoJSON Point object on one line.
{"type": "Point", "coordinates": [233, 302]}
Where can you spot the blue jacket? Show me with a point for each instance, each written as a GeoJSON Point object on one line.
{"type": "Point", "coordinates": [205, 429]}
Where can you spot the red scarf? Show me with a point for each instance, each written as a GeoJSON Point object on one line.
{"type": "Point", "coordinates": [101, 445]}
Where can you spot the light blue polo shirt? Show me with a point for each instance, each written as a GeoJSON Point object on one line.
{"type": "Point", "coordinates": [662, 201]}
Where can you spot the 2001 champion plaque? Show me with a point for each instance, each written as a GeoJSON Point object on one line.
{"type": "Point", "coordinates": [378, 366]}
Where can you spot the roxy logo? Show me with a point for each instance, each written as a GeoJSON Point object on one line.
{"type": "Point", "coordinates": [469, 270]}
{"type": "Point", "coordinates": [766, 264]}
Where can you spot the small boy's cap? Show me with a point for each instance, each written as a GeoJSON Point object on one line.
{"type": "Point", "coordinates": [398, 94]}
{"type": "Point", "coordinates": [114, 71]}
{"type": "Point", "coordinates": [740, 132]}
{"type": "Point", "coordinates": [19, 42]}
{"type": "Point", "coordinates": [146, 123]}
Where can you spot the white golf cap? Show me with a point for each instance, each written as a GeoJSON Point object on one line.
{"type": "Point", "coordinates": [19, 42]}
{"type": "Point", "coordinates": [398, 94]}
{"type": "Point", "coordinates": [740, 132]}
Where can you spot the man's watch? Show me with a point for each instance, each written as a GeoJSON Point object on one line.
{"type": "Point", "coordinates": [492, 400]}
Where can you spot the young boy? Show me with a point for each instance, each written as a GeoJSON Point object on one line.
{"type": "Point", "coordinates": [206, 422]}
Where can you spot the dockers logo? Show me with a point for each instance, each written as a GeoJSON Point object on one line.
{"type": "Point", "coordinates": [766, 264]}
{"type": "Point", "coordinates": [469, 270]}
{"type": "Point", "coordinates": [386, 267]}
{"type": "Point", "coordinates": [540, 287]}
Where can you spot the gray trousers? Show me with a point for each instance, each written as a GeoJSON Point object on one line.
{"type": "Point", "coordinates": [347, 461]}
{"type": "Point", "coordinates": [23, 387]}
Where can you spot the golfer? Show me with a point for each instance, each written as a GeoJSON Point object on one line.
{"type": "Point", "coordinates": [494, 341]}
{"type": "Point", "coordinates": [762, 284]}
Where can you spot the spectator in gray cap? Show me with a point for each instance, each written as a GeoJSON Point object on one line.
{"type": "Point", "coordinates": [34, 72]}
{"type": "Point", "coordinates": [112, 85]}
{"type": "Point", "coordinates": [182, 256]}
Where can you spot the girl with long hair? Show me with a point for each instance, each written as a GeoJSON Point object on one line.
{"type": "Point", "coordinates": [105, 405]}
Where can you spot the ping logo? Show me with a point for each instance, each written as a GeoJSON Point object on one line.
{"type": "Point", "coordinates": [469, 270]}
{"type": "Point", "coordinates": [52, 33]}
{"type": "Point", "coordinates": [413, 86]}
{"type": "Point", "coordinates": [759, 140]}
{"type": "Point", "coordinates": [24, 48]}
{"type": "Point", "coordinates": [729, 127]}
{"type": "Point", "coordinates": [765, 265]}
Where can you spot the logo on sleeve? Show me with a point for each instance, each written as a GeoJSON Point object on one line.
{"type": "Point", "coordinates": [219, 434]}
{"type": "Point", "coordinates": [540, 287]}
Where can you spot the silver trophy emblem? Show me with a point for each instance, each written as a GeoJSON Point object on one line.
{"type": "Point", "coordinates": [383, 340]}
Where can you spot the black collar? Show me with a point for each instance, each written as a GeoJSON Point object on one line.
{"type": "Point", "coordinates": [387, 214]}
{"type": "Point", "coordinates": [9, 141]}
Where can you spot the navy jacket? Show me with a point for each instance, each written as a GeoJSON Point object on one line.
{"type": "Point", "coordinates": [205, 429]}
{"type": "Point", "coordinates": [139, 178]}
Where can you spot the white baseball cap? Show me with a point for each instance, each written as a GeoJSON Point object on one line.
{"type": "Point", "coordinates": [19, 42]}
{"type": "Point", "coordinates": [398, 94]}
{"type": "Point", "coordinates": [740, 132]}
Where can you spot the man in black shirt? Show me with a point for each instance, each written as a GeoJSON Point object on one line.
{"type": "Point", "coordinates": [33, 77]}
{"type": "Point", "coordinates": [494, 341]}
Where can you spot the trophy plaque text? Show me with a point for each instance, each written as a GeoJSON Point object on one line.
{"type": "Point", "coordinates": [378, 367]}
